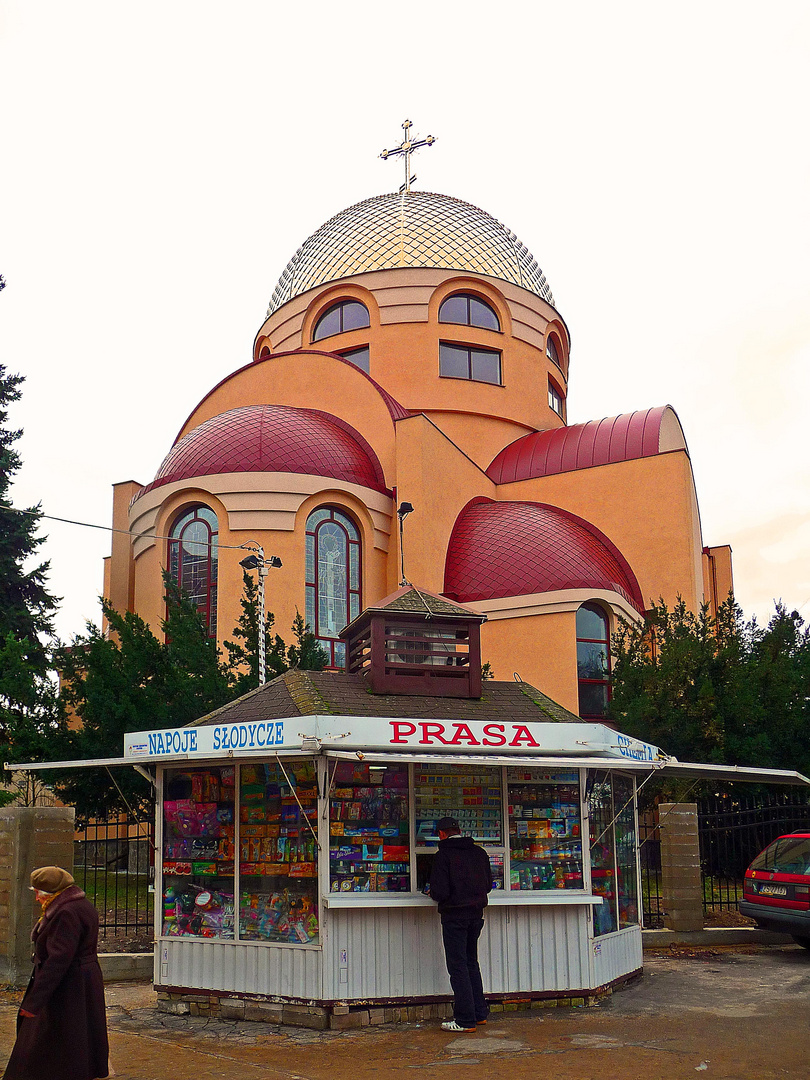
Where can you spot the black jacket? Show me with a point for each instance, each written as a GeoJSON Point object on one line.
{"type": "Point", "coordinates": [461, 875]}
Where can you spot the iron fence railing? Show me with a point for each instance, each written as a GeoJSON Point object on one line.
{"type": "Point", "coordinates": [652, 917]}
{"type": "Point", "coordinates": [114, 864]}
{"type": "Point", "coordinates": [733, 829]}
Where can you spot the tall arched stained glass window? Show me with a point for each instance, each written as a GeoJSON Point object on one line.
{"type": "Point", "coordinates": [593, 661]}
{"type": "Point", "coordinates": [193, 560]}
{"type": "Point", "coordinates": [333, 571]}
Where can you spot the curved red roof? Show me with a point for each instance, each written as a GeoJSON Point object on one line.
{"type": "Point", "coordinates": [273, 438]}
{"type": "Point", "coordinates": [644, 433]}
{"type": "Point", "coordinates": [500, 549]}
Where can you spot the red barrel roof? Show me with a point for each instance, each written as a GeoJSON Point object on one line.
{"type": "Point", "coordinates": [273, 438]}
{"type": "Point", "coordinates": [582, 446]}
{"type": "Point", "coordinates": [500, 549]}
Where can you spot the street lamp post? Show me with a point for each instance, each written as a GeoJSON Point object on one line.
{"type": "Point", "coordinates": [257, 561]}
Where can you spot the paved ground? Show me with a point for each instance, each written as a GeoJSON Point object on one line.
{"type": "Point", "coordinates": [718, 1013]}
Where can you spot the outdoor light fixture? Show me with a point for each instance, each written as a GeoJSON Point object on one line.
{"type": "Point", "coordinates": [257, 561]}
{"type": "Point", "coordinates": [405, 508]}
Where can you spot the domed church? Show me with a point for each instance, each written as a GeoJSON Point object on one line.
{"type": "Point", "coordinates": [413, 353]}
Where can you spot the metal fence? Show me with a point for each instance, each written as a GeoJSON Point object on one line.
{"type": "Point", "coordinates": [733, 829]}
{"type": "Point", "coordinates": [650, 857]}
{"type": "Point", "coordinates": [114, 864]}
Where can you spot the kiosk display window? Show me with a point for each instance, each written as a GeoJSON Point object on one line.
{"type": "Point", "coordinates": [625, 833]}
{"type": "Point", "coordinates": [545, 842]}
{"type": "Point", "coordinates": [278, 852]}
{"type": "Point", "coordinates": [369, 828]}
{"type": "Point", "coordinates": [473, 797]}
{"type": "Point", "coordinates": [614, 873]}
{"type": "Point", "coordinates": [198, 852]}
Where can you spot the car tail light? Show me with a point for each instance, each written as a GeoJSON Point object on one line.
{"type": "Point", "coordinates": [802, 890]}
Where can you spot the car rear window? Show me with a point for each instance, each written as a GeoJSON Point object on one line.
{"type": "Point", "coordinates": [790, 855]}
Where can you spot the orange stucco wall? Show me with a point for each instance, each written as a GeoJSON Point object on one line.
{"type": "Point", "coordinates": [647, 507]}
{"type": "Point", "coordinates": [541, 649]}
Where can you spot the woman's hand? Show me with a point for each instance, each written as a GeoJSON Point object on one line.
{"type": "Point", "coordinates": [25, 1012]}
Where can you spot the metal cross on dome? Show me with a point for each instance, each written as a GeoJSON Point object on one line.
{"type": "Point", "coordinates": [406, 148]}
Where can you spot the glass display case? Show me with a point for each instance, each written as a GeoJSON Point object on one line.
{"type": "Point", "coordinates": [369, 849]}
{"type": "Point", "coordinates": [625, 845]}
{"type": "Point", "coordinates": [264, 832]}
{"type": "Point", "coordinates": [614, 856]}
{"type": "Point", "coordinates": [278, 852]}
{"type": "Point", "coordinates": [198, 852]}
{"type": "Point", "coordinates": [472, 796]}
{"type": "Point", "coordinates": [545, 842]}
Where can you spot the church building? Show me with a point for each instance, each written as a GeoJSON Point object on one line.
{"type": "Point", "coordinates": [413, 353]}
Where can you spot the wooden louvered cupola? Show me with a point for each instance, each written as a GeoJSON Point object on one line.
{"type": "Point", "coordinates": [415, 642]}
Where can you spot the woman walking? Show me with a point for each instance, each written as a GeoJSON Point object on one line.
{"type": "Point", "coordinates": [62, 1022]}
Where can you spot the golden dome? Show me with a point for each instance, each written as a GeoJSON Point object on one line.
{"type": "Point", "coordinates": [414, 228]}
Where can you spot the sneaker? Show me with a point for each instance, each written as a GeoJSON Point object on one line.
{"type": "Point", "coordinates": [480, 1023]}
{"type": "Point", "coordinates": [451, 1025]}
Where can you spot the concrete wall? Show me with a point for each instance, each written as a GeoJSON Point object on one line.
{"type": "Point", "coordinates": [681, 882]}
{"type": "Point", "coordinates": [30, 836]}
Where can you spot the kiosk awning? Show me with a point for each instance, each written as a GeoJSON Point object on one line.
{"type": "Point", "coordinates": [671, 767]}
{"type": "Point", "coordinates": [666, 767]}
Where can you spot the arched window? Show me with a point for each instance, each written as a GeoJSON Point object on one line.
{"type": "Point", "coordinates": [340, 317]}
{"type": "Point", "coordinates": [593, 661]}
{"type": "Point", "coordinates": [265, 352]}
{"type": "Point", "coordinates": [467, 310]}
{"type": "Point", "coordinates": [193, 560]}
{"type": "Point", "coordinates": [333, 577]}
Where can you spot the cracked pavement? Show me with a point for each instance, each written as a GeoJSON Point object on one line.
{"type": "Point", "coordinates": [729, 1014]}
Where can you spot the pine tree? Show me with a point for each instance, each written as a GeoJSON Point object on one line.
{"type": "Point", "coordinates": [306, 653]}
{"type": "Point", "coordinates": [718, 690]}
{"type": "Point", "coordinates": [26, 606]}
{"type": "Point", "coordinates": [30, 716]}
{"type": "Point", "coordinates": [243, 653]}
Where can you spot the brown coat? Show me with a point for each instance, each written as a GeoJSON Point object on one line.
{"type": "Point", "coordinates": [66, 1039]}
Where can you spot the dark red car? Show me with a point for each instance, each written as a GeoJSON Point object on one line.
{"type": "Point", "coordinates": [776, 890]}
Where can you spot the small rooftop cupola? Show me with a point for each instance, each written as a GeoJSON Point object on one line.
{"type": "Point", "coordinates": [415, 642]}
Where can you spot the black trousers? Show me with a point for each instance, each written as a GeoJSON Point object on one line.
{"type": "Point", "coordinates": [460, 933]}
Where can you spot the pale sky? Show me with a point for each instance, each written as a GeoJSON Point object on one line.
{"type": "Point", "coordinates": [161, 162]}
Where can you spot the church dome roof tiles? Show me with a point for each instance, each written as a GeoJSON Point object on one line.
{"type": "Point", "coordinates": [410, 229]}
{"type": "Point", "coordinates": [501, 549]}
{"type": "Point", "coordinates": [644, 433]}
{"type": "Point", "coordinates": [273, 438]}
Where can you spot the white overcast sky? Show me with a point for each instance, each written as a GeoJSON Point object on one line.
{"type": "Point", "coordinates": [161, 162]}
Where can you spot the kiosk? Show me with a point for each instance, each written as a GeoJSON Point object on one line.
{"type": "Point", "coordinates": [294, 852]}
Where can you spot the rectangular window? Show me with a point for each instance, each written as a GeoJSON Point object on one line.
{"type": "Point", "coordinates": [555, 400]}
{"type": "Point", "coordinates": [359, 357]}
{"type": "Point", "coordinates": [278, 852]}
{"type": "Point", "coordinates": [466, 362]}
{"type": "Point", "coordinates": [198, 852]}
{"type": "Point", "coordinates": [369, 845]}
{"type": "Point", "coordinates": [473, 797]}
{"type": "Point", "coordinates": [545, 824]}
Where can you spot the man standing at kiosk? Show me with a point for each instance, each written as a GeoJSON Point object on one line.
{"type": "Point", "coordinates": [460, 880]}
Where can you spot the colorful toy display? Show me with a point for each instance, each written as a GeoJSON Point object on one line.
{"type": "Point", "coordinates": [273, 840]}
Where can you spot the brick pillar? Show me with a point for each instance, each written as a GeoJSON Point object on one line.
{"type": "Point", "coordinates": [681, 882]}
{"type": "Point", "coordinates": [30, 836]}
